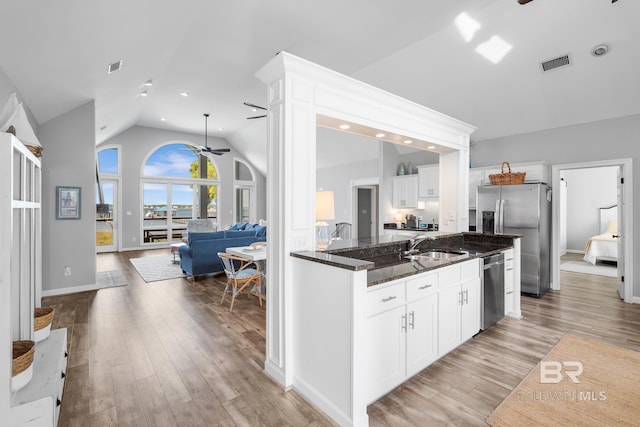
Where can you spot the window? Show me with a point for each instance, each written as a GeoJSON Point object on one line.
{"type": "Point", "coordinates": [108, 161]}
{"type": "Point", "coordinates": [244, 194]}
{"type": "Point", "coordinates": [178, 184]}
{"type": "Point", "coordinates": [107, 184]}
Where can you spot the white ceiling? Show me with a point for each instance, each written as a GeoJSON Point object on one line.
{"type": "Point", "coordinates": [59, 51]}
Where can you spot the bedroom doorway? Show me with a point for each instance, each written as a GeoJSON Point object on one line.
{"type": "Point", "coordinates": [599, 214]}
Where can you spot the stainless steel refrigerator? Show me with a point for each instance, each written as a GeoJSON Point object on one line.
{"type": "Point", "coordinates": [523, 209]}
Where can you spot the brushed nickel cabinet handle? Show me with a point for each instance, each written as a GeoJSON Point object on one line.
{"type": "Point", "coordinates": [425, 286]}
{"type": "Point", "coordinates": [387, 299]}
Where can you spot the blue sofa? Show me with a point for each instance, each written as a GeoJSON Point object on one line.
{"type": "Point", "coordinates": [200, 254]}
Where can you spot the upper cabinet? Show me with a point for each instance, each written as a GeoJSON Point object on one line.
{"type": "Point", "coordinates": [429, 181]}
{"type": "Point", "coordinates": [405, 191]}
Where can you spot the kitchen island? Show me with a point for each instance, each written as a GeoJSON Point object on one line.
{"type": "Point", "coordinates": [365, 318]}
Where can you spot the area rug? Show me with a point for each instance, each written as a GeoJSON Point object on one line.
{"type": "Point", "coordinates": [155, 268]}
{"type": "Point", "coordinates": [110, 279]}
{"type": "Point", "coordinates": [606, 393]}
{"type": "Point", "coordinates": [586, 268]}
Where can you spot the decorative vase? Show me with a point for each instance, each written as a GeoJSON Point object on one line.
{"type": "Point", "coordinates": [401, 169]}
{"type": "Point", "coordinates": [410, 168]}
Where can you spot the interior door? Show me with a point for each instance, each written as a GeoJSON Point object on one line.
{"type": "Point", "coordinates": [107, 216]}
{"type": "Point", "coordinates": [364, 213]}
{"type": "Point", "coordinates": [620, 234]}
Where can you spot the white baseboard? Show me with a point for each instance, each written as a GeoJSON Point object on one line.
{"type": "Point", "coordinates": [574, 251]}
{"type": "Point", "coordinates": [71, 290]}
{"type": "Point", "coordinates": [635, 300]}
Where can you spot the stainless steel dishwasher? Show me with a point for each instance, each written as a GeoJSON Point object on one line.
{"type": "Point", "coordinates": [492, 290]}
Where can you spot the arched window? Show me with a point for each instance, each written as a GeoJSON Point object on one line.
{"type": "Point", "coordinates": [178, 184]}
{"type": "Point", "coordinates": [244, 192]}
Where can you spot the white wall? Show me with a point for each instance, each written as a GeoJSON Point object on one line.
{"type": "Point", "coordinates": [338, 179]}
{"type": "Point", "coordinates": [69, 159]}
{"type": "Point", "coordinates": [587, 191]}
{"type": "Point", "coordinates": [617, 138]}
{"type": "Point", "coordinates": [138, 142]}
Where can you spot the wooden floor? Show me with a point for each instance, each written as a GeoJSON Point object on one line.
{"type": "Point", "coordinates": [168, 354]}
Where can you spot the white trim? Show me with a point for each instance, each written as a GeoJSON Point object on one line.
{"type": "Point", "coordinates": [72, 290]}
{"type": "Point", "coordinates": [635, 300]}
{"type": "Point", "coordinates": [627, 212]}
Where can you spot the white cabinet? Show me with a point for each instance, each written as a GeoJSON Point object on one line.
{"type": "Point", "coordinates": [405, 191]}
{"type": "Point", "coordinates": [509, 280]}
{"type": "Point", "coordinates": [476, 179]}
{"type": "Point", "coordinates": [414, 321]}
{"type": "Point", "coordinates": [401, 332]}
{"type": "Point", "coordinates": [458, 305]}
{"type": "Point", "coordinates": [20, 287]}
{"type": "Point", "coordinates": [429, 181]}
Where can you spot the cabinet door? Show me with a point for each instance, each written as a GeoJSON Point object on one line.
{"type": "Point", "coordinates": [405, 192]}
{"type": "Point", "coordinates": [429, 181]}
{"type": "Point", "coordinates": [386, 352]}
{"type": "Point", "coordinates": [449, 300]}
{"type": "Point", "coordinates": [470, 313]}
{"type": "Point", "coordinates": [422, 333]}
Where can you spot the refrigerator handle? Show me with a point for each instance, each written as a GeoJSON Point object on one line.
{"type": "Point", "coordinates": [501, 217]}
{"type": "Point", "coordinates": [496, 220]}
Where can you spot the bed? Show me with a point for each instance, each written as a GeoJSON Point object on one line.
{"type": "Point", "coordinates": [604, 246]}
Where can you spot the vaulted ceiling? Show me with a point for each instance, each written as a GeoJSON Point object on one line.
{"type": "Point", "coordinates": [57, 54]}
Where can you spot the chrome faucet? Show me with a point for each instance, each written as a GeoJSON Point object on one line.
{"type": "Point", "coordinates": [416, 240]}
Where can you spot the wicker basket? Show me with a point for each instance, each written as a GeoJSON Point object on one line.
{"type": "Point", "coordinates": [36, 150]}
{"type": "Point", "coordinates": [507, 178]}
{"type": "Point", "coordinates": [42, 317]}
{"type": "Point", "coordinates": [22, 356]}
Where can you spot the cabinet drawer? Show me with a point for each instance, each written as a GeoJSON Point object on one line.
{"type": "Point", "coordinates": [422, 286]}
{"type": "Point", "coordinates": [509, 256]}
{"type": "Point", "coordinates": [379, 300]}
{"type": "Point", "coordinates": [470, 270]}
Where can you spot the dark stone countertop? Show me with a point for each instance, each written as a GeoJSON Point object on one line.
{"type": "Point", "coordinates": [381, 256]}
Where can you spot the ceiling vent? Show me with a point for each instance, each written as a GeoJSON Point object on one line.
{"type": "Point", "coordinates": [554, 63]}
{"type": "Point", "coordinates": [114, 66]}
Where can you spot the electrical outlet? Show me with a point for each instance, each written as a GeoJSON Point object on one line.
{"type": "Point", "coordinates": [67, 270]}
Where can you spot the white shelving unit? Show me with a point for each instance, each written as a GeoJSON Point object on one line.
{"type": "Point", "coordinates": [20, 291]}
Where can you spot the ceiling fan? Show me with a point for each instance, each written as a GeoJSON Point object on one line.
{"type": "Point", "coordinates": [206, 149]}
{"type": "Point", "coordinates": [255, 108]}
{"type": "Point", "coordinates": [524, 1]}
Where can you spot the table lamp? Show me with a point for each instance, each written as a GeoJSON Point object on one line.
{"type": "Point", "coordinates": [324, 211]}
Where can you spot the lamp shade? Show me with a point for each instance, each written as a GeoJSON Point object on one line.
{"type": "Point", "coordinates": [324, 206]}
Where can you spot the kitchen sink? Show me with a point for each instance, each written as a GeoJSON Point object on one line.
{"type": "Point", "coordinates": [438, 255]}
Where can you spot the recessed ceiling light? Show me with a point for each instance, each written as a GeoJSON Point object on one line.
{"type": "Point", "coordinates": [144, 93]}
{"type": "Point", "coordinates": [219, 128]}
{"type": "Point", "coordinates": [431, 147]}
{"type": "Point", "coordinates": [114, 66]}
{"type": "Point", "coordinates": [162, 119]}
{"type": "Point", "coordinates": [600, 50]}
{"type": "Point", "coordinates": [345, 126]}
{"type": "Point", "coordinates": [380, 135]}
{"type": "Point", "coordinates": [148, 83]}
{"type": "Point", "coordinates": [185, 94]}
{"type": "Point", "coordinates": [407, 141]}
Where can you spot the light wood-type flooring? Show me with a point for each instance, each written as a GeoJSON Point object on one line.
{"type": "Point", "coordinates": [168, 354]}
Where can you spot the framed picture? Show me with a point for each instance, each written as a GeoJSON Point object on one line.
{"type": "Point", "coordinates": [68, 202]}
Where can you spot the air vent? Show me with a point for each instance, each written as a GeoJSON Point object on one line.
{"type": "Point", "coordinates": [554, 63]}
{"type": "Point", "coordinates": [115, 66]}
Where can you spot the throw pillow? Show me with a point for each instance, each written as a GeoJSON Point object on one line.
{"type": "Point", "coordinates": [261, 230]}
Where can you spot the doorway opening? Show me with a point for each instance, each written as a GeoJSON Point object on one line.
{"type": "Point", "coordinates": [365, 214]}
{"type": "Point", "coordinates": [607, 209]}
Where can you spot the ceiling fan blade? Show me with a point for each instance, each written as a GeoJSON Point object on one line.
{"type": "Point", "coordinates": [254, 106]}
{"type": "Point", "coordinates": [524, 1]}
{"type": "Point", "coordinates": [256, 117]}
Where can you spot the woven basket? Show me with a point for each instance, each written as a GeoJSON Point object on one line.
{"type": "Point", "coordinates": [37, 151]}
{"type": "Point", "coordinates": [42, 317]}
{"type": "Point", "coordinates": [22, 356]}
{"type": "Point", "coordinates": [507, 178]}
